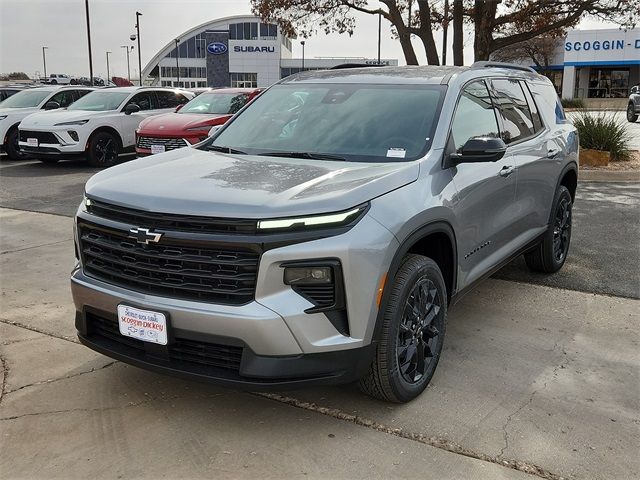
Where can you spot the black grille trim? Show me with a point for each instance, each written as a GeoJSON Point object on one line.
{"type": "Point", "coordinates": [179, 350]}
{"type": "Point", "coordinates": [173, 222]}
{"type": "Point", "coordinates": [43, 137]}
{"type": "Point", "coordinates": [199, 271]}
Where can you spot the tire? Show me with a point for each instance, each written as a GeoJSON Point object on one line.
{"type": "Point", "coordinates": [104, 148]}
{"type": "Point", "coordinates": [551, 253]}
{"type": "Point", "coordinates": [419, 293]}
{"type": "Point", "coordinates": [12, 148]}
{"type": "Point", "coordinates": [632, 116]}
{"type": "Point", "coordinates": [54, 82]}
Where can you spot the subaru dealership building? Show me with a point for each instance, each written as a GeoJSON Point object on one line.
{"type": "Point", "coordinates": [239, 51]}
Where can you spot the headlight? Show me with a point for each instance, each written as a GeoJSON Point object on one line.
{"type": "Point", "coordinates": [2, 117]}
{"type": "Point", "coordinates": [86, 204]}
{"type": "Point", "coordinates": [330, 220]}
{"type": "Point", "coordinates": [203, 128]}
{"type": "Point", "coordinates": [75, 122]}
{"type": "Point", "coordinates": [308, 275]}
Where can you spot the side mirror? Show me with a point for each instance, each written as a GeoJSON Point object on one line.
{"type": "Point", "coordinates": [179, 107]}
{"type": "Point", "coordinates": [214, 129]}
{"type": "Point", "coordinates": [480, 149]}
{"type": "Point", "coordinates": [131, 108]}
{"type": "Point", "coordinates": [51, 105]}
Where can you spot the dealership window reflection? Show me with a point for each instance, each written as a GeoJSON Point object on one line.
{"type": "Point", "coordinates": [608, 83]}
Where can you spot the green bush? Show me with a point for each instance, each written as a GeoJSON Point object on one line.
{"type": "Point", "coordinates": [572, 103]}
{"type": "Point", "coordinates": [603, 132]}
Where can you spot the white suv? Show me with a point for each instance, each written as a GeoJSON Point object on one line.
{"type": "Point", "coordinates": [22, 104]}
{"type": "Point", "coordinates": [101, 126]}
{"type": "Point", "coordinates": [58, 79]}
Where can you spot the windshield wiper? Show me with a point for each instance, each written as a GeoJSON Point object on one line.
{"type": "Point", "coordinates": [308, 155]}
{"type": "Point", "coordinates": [217, 148]}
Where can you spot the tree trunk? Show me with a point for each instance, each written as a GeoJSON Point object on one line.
{"type": "Point", "coordinates": [458, 56]}
{"type": "Point", "coordinates": [485, 13]}
{"type": "Point", "coordinates": [426, 33]}
{"type": "Point", "coordinates": [404, 34]}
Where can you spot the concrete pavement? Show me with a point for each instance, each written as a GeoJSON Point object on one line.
{"type": "Point", "coordinates": [543, 380]}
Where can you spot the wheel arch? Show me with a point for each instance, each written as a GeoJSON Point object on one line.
{"type": "Point", "coordinates": [106, 129]}
{"type": "Point", "coordinates": [569, 179]}
{"type": "Point", "coordinates": [435, 240]}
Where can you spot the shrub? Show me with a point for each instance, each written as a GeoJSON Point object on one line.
{"type": "Point", "coordinates": [603, 132]}
{"type": "Point", "coordinates": [572, 103]}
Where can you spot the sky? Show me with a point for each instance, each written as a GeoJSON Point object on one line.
{"type": "Point", "coordinates": [28, 25]}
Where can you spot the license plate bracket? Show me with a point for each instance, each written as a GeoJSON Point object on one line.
{"type": "Point", "coordinates": [145, 325]}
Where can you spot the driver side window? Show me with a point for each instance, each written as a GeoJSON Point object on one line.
{"type": "Point", "coordinates": [64, 99]}
{"type": "Point", "coordinates": [475, 115]}
{"type": "Point", "coordinates": [143, 100]}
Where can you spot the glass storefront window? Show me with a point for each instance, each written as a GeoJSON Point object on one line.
{"type": "Point", "coordinates": [608, 83]}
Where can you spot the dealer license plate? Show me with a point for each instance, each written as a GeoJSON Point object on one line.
{"type": "Point", "coordinates": [143, 325]}
{"type": "Point", "coordinates": [32, 142]}
{"type": "Point", "coordinates": [157, 149]}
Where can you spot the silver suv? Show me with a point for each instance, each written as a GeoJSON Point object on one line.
{"type": "Point", "coordinates": [322, 234]}
{"type": "Point", "coordinates": [633, 108]}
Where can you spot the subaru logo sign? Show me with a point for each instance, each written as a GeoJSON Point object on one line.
{"type": "Point", "coordinates": [217, 48]}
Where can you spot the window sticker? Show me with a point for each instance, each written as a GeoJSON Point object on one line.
{"type": "Point", "coordinates": [396, 152]}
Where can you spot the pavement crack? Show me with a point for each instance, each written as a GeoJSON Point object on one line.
{"type": "Point", "coordinates": [5, 372]}
{"type": "Point", "coordinates": [53, 380]}
{"type": "Point", "coordinates": [37, 330]}
{"type": "Point", "coordinates": [35, 246]}
{"type": "Point", "coordinates": [436, 442]}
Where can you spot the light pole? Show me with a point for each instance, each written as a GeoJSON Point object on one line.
{"type": "Point", "coordinates": [379, 35]}
{"type": "Point", "coordinates": [302, 43]}
{"type": "Point", "coordinates": [86, 8]}
{"type": "Point", "coordinates": [138, 15]}
{"type": "Point", "coordinates": [128, 66]}
{"type": "Point", "coordinates": [44, 61]}
{"type": "Point", "coordinates": [108, 76]}
{"type": "Point", "coordinates": [445, 27]}
{"type": "Point", "coordinates": [177, 64]}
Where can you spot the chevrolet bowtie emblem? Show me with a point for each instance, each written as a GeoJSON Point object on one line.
{"type": "Point", "coordinates": [144, 236]}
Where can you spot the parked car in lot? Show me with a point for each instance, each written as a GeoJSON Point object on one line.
{"type": "Point", "coordinates": [7, 91]}
{"type": "Point", "coordinates": [633, 108]}
{"type": "Point", "coordinates": [324, 243]}
{"type": "Point", "coordinates": [100, 127]}
{"type": "Point", "coordinates": [17, 107]}
{"type": "Point", "coordinates": [57, 79]}
{"type": "Point", "coordinates": [192, 122]}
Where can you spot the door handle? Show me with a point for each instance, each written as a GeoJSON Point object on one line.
{"type": "Point", "coordinates": [553, 153]}
{"type": "Point", "coordinates": [506, 171]}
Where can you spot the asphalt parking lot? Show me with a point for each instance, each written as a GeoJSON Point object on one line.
{"type": "Point", "coordinates": [539, 378]}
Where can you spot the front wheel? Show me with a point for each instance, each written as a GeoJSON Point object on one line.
{"type": "Point", "coordinates": [104, 148]}
{"type": "Point", "coordinates": [412, 333]}
{"type": "Point", "coordinates": [632, 116]}
{"type": "Point", "coordinates": [551, 253]}
{"type": "Point", "coordinates": [12, 146]}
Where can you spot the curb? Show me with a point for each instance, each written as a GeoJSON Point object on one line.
{"type": "Point", "coordinates": [631, 176]}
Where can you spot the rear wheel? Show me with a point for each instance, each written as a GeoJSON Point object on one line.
{"type": "Point", "coordinates": [12, 146]}
{"type": "Point", "coordinates": [549, 256]}
{"type": "Point", "coordinates": [412, 333]}
{"type": "Point", "coordinates": [104, 148]}
{"type": "Point", "coordinates": [632, 116]}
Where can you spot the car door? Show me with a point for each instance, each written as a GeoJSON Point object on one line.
{"type": "Point", "coordinates": [486, 190]}
{"type": "Point", "coordinates": [148, 106]}
{"type": "Point", "coordinates": [535, 152]}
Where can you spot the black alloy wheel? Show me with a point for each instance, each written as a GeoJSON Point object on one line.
{"type": "Point", "coordinates": [632, 116]}
{"type": "Point", "coordinates": [562, 229]}
{"type": "Point", "coordinates": [103, 150]}
{"type": "Point", "coordinates": [418, 333]}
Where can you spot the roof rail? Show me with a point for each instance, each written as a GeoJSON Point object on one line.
{"type": "Point", "coordinates": [490, 64]}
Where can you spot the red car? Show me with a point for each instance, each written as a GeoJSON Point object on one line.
{"type": "Point", "coordinates": [191, 123]}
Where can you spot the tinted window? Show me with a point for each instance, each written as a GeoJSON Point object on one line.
{"type": "Point", "coordinates": [64, 98]}
{"type": "Point", "coordinates": [216, 103]}
{"type": "Point", "coordinates": [167, 100]}
{"type": "Point", "coordinates": [533, 108]}
{"type": "Point", "coordinates": [80, 93]}
{"type": "Point", "coordinates": [358, 122]}
{"type": "Point", "coordinates": [475, 115]}
{"type": "Point", "coordinates": [143, 99]}
{"type": "Point", "coordinates": [512, 104]}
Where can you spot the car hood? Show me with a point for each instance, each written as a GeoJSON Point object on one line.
{"type": "Point", "coordinates": [196, 182]}
{"type": "Point", "coordinates": [52, 117]}
{"type": "Point", "coordinates": [179, 121]}
{"type": "Point", "coordinates": [12, 112]}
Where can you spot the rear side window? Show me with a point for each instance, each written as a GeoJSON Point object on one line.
{"type": "Point", "coordinates": [167, 100]}
{"type": "Point", "coordinates": [80, 93]}
{"type": "Point", "coordinates": [512, 106]}
{"type": "Point", "coordinates": [144, 100]}
{"type": "Point", "coordinates": [533, 108]}
{"type": "Point", "coordinates": [475, 115]}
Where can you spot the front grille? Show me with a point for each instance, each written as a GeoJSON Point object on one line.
{"type": "Point", "coordinates": [180, 349]}
{"type": "Point", "coordinates": [43, 137]}
{"type": "Point", "coordinates": [167, 221]}
{"type": "Point", "coordinates": [169, 143]}
{"type": "Point", "coordinates": [193, 271]}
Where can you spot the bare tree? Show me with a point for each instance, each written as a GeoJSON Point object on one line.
{"type": "Point", "coordinates": [539, 51]}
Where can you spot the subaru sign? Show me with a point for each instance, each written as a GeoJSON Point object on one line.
{"type": "Point", "coordinates": [217, 48]}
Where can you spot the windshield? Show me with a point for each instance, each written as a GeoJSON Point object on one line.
{"type": "Point", "coordinates": [216, 103]}
{"type": "Point", "coordinates": [99, 101]}
{"type": "Point", "coordinates": [25, 99]}
{"type": "Point", "coordinates": [366, 123]}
